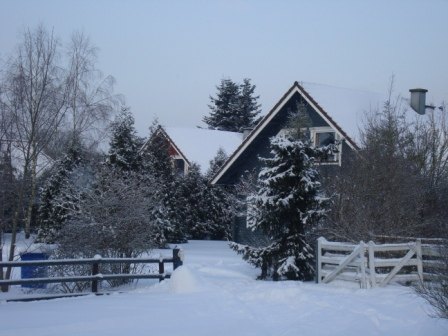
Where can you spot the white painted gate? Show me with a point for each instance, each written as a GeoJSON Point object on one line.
{"type": "Point", "coordinates": [369, 264]}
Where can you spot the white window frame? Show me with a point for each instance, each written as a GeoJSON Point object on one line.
{"type": "Point", "coordinates": [337, 137]}
{"type": "Point", "coordinates": [313, 137]}
{"type": "Point", "coordinates": [179, 157]}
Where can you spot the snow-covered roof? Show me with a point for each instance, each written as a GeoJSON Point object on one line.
{"type": "Point", "coordinates": [343, 109]}
{"type": "Point", "coordinates": [201, 145]}
{"type": "Point", "coordinates": [346, 107]}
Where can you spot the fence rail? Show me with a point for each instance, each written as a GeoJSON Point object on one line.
{"type": "Point", "coordinates": [96, 277]}
{"type": "Point", "coordinates": [375, 265]}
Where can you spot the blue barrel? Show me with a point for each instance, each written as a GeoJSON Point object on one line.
{"type": "Point", "coordinates": [29, 272]}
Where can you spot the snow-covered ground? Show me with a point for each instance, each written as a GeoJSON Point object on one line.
{"type": "Point", "coordinates": [215, 293]}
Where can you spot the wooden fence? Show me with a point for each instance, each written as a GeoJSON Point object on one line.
{"type": "Point", "coordinates": [96, 277]}
{"type": "Point", "coordinates": [375, 265]}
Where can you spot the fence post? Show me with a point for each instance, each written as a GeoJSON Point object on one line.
{"type": "Point", "coordinates": [3, 288]}
{"type": "Point", "coordinates": [318, 259]}
{"type": "Point", "coordinates": [372, 264]}
{"type": "Point", "coordinates": [161, 269]}
{"type": "Point", "coordinates": [362, 257]}
{"type": "Point", "coordinates": [95, 271]}
{"type": "Point", "coordinates": [418, 252]}
{"type": "Point", "coordinates": [177, 258]}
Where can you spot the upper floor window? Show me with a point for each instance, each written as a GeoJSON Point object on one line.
{"type": "Point", "coordinates": [324, 136]}
{"type": "Point", "coordinates": [179, 167]}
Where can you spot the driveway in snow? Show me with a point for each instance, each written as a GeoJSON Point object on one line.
{"type": "Point", "coordinates": [215, 293]}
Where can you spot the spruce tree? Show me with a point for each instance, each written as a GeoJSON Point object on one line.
{"type": "Point", "coordinates": [187, 204]}
{"type": "Point", "coordinates": [286, 207]}
{"type": "Point", "coordinates": [59, 195]}
{"type": "Point", "coordinates": [157, 163]}
{"type": "Point", "coordinates": [234, 108]}
{"type": "Point", "coordinates": [248, 106]}
{"type": "Point", "coordinates": [199, 211]}
{"type": "Point", "coordinates": [124, 144]}
{"type": "Point", "coordinates": [217, 162]}
{"type": "Point", "coordinates": [155, 156]}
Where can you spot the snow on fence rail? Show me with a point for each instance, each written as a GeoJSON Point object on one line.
{"type": "Point", "coordinates": [375, 265]}
{"type": "Point", "coordinates": [96, 276]}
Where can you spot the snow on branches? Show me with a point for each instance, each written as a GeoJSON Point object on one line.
{"type": "Point", "coordinates": [287, 205]}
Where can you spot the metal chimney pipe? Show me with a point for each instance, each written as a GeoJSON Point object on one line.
{"type": "Point", "coordinates": [418, 100]}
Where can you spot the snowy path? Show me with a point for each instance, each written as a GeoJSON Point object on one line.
{"type": "Point", "coordinates": [215, 294]}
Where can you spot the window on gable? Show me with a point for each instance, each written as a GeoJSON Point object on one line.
{"type": "Point", "coordinates": [179, 167]}
{"type": "Point", "coordinates": [323, 138]}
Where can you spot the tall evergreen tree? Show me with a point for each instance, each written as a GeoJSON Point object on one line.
{"type": "Point", "coordinates": [155, 156]}
{"type": "Point", "coordinates": [248, 105]}
{"type": "Point", "coordinates": [124, 144]}
{"type": "Point", "coordinates": [8, 191]}
{"type": "Point", "coordinates": [234, 108]}
{"type": "Point", "coordinates": [287, 206]}
{"type": "Point", "coordinates": [60, 195]}
{"type": "Point", "coordinates": [157, 163]}
{"type": "Point", "coordinates": [199, 211]}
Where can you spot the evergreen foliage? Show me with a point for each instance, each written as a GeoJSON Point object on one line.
{"type": "Point", "coordinates": [157, 163]}
{"type": "Point", "coordinates": [286, 207]}
{"type": "Point", "coordinates": [61, 193]}
{"type": "Point", "coordinates": [198, 210]}
{"type": "Point", "coordinates": [248, 104]}
{"type": "Point", "coordinates": [8, 191]}
{"type": "Point", "coordinates": [216, 163]}
{"type": "Point", "coordinates": [155, 156]}
{"type": "Point", "coordinates": [234, 108]}
{"type": "Point", "coordinates": [124, 144]}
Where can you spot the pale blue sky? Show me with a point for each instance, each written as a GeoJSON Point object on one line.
{"type": "Point", "coordinates": [167, 56]}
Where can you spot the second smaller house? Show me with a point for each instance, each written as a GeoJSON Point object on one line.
{"type": "Point", "coordinates": [197, 145]}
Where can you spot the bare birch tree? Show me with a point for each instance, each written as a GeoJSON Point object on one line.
{"type": "Point", "coordinates": [35, 96]}
{"type": "Point", "coordinates": [90, 100]}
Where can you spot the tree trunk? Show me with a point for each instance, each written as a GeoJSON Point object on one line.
{"type": "Point", "coordinates": [15, 223]}
{"type": "Point", "coordinates": [29, 212]}
{"type": "Point", "coordinates": [3, 288]}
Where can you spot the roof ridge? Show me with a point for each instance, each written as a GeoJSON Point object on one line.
{"type": "Point", "coordinates": [339, 87]}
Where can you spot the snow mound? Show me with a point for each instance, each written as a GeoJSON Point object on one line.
{"type": "Point", "coordinates": [183, 281]}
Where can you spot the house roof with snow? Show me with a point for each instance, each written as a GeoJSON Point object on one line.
{"type": "Point", "coordinates": [200, 146]}
{"type": "Point", "coordinates": [343, 110]}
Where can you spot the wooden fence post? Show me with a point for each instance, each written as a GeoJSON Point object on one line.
{"type": "Point", "coordinates": [319, 259]}
{"type": "Point", "coordinates": [362, 261]}
{"type": "Point", "coordinates": [95, 271]}
{"type": "Point", "coordinates": [372, 264]}
{"type": "Point", "coordinates": [3, 288]}
{"type": "Point", "coordinates": [177, 258]}
{"type": "Point", "coordinates": [162, 269]}
{"type": "Point", "coordinates": [418, 252]}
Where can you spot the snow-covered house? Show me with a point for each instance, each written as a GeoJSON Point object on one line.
{"type": "Point", "coordinates": [197, 145]}
{"type": "Point", "coordinates": [335, 114]}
